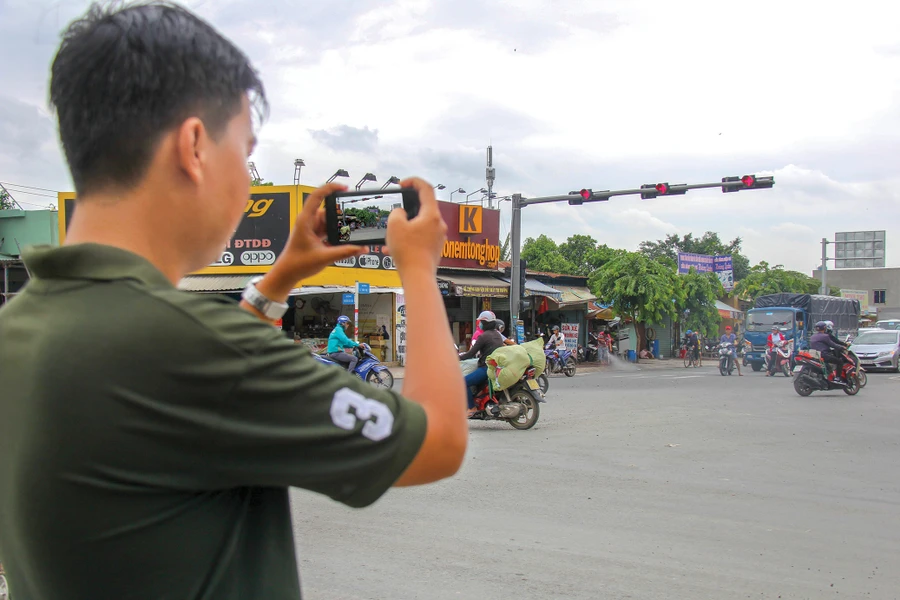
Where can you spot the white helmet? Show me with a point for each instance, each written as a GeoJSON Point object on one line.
{"type": "Point", "coordinates": [487, 316]}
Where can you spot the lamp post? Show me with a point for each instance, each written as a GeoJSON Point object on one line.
{"type": "Point", "coordinates": [393, 179]}
{"type": "Point", "coordinates": [298, 164]}
{"type": "Point", "coordinates": [338, 173]}
{"type": "Point", "coordinates": [481, 191]}
{"type": "Point", "coordinates": [365, 178]}
{"type": "Point", "coordinates": [459, 191]}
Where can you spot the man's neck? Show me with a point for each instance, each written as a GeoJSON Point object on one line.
{"type": "Point", "coordinates": [127, 223]}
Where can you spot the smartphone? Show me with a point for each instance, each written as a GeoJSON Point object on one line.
{"type": "Point", "coordinates": [360, 218]}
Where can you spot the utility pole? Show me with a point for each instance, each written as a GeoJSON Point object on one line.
{"type": "Point", "coordinates": [824, 289]}
{"type": "Point", "coordinates": [648, 191]}
{"type": "Point", "coordinates": [489, 175]}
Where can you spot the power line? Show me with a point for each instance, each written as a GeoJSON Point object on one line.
{"type": "Point", "coordinates": [11, 189]}
{"type": "Point", "coordinates": [31, 187]}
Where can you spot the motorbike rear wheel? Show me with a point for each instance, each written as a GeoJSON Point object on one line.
{"type": "Point", "coordinates": [544, 382]}
{"type": "Point", "coordinates": [384, 379]}
{"type": "Point", "coordinates": [569, 369]}
{"type": "Point", "coordinates": [852, 385]}
{"type": "Point", "coordinates": [531, 413]}
{"type": "Point", "coordinates": [800, 385]}
{"type": "Point", "coordinates": [863, 379]}
{"type": "Point", "coordinates": [786, 369]}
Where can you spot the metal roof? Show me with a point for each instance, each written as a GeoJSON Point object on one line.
{"type": "Point", "coordinates": [533, 287]}
{"type": "Point", "coordinates": [574, 295]}
{"type": "Point", "coordinates": [214, 283]}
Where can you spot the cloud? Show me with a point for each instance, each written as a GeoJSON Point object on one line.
{"type": "Point", "coordinates": [345, 137]}
{"type": "Point", "coordinates": [791, 228]}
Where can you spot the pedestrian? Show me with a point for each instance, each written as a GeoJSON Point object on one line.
{"type": "Point", "coordinates": [161, 469]}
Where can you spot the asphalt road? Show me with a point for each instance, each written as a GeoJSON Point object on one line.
{"type": "Point", "coordinates": [663, 483]}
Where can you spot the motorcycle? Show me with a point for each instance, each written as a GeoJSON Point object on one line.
{"type": "Point", "coordinates": [726, 358]}
{"type": "Point", "coordinates": [814, 376]}
{"type": "Point", "coordinates": [517, 405]}
{"type": "Point", "coordinates": [778, 358]}
{"type": "Point", "coordinates": [560, 361]}
{"type": "Point", "coordinates": [592, 352]}
{"type": "Point", "coordinates": [369, 368]}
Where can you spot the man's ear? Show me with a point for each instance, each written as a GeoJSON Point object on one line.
{"type": "Point", "coordinates": [191, 146]}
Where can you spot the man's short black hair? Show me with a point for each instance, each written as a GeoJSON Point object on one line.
{"type": "Point", "coordinates": [125, 74]}
{"type": "Point", "coordinates": [488, 325]}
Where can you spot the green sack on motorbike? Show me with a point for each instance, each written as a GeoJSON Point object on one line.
{"type": "Point", "coordinates": [507, 364]}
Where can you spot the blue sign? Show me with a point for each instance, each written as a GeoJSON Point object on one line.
{"type": "Point", "coordinates": [520, 331]}
{"type": "Point", "coordinates": [363, 288]}
{"type": "Point", "coordinates": [347, 299]}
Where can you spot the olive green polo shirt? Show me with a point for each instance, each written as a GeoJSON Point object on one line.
{"type": "Point", "coordinates": [148, 437]}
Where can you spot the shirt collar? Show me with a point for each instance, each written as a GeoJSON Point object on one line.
{"type": "Point", "coordinates": [97, 262]}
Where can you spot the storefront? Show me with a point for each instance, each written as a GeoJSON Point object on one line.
{"type": "Point", "coordinates": [569, 309]}
{"type": "Point", "coordinates": [466, 295]}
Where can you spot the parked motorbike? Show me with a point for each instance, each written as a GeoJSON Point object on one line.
{"type": "Point", "coordinates": [592, 351]}
{"type": "Point", "coordinates": [369, 368]}
{"type": "Point", "coordinates": [779, 358]}
{"type": "Point", "coordinates": [814, 376]}
{"type": "Point", "coordinates": [560, 361]}
{"type": "Point", "coordinates": [727, 356]}
{"type": "Point", "coordinates": [517, 405]}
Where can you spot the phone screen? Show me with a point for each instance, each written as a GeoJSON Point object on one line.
{"type": "Point", "coordinates": [360, 218]}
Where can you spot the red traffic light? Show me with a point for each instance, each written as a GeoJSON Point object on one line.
{"type": "Point", "coordinates": [748, 180]}
{"type": "Point", "coordinates": [586, 194]}
{"type": "Point", "coordinates": [662, 188]}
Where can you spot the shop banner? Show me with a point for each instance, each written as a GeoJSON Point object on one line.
{"type": "Point", "coordinates": [861, 295]}
{"type": "Point", "coordinates": [570, 330]}
{"type": "Point", "coordinates": [722, 266]}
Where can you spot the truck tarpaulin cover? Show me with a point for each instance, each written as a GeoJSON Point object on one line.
{"type": "Point", "coordinates": [843, 311]}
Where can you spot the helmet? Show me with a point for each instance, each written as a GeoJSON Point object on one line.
{"type": "Point", "coordinates": [829, 326]}
{"type": "Point", "coordinates": [775, 328]}
{"type": "Point", "coordinates": [728, 328]}
{"type": "Point", "coordinates": [554, 328]}
{"type": "Point", "coordinates": [486, 316]}
{"type": "Point", "coordinates": [821, 326]}
{"type": "Point", "coordinates": [500, 324]}
{"type": "Point", "coordinates": [689, 332]}
{"type": "Point", "coordinates": [343, 320]}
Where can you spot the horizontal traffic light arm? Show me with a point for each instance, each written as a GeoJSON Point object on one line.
{"type": "Point", "coordinates": [602, 196]}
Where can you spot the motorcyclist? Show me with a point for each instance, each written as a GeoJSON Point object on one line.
{"type": "Point", "coordinates": [557, 339]}
{"type": "Point", "coordinates": [489, 340]}
{"type": "Point", "coordinates": [484, 316]}
{"type": "Point", "coordinates": [338, 341]}
{"type": "Point", "coordinates": [775, 338]}
{"type": "Point", "coordinates": [729, 337]}
{"type": "Point", "coordinates": [345, 231]}
{"type": "Point", "coordinates": [832, 351]}
{"type": "Point", "coordinates": [829, 329]}
{"type": "Point", "coordinates": [692, 341]}
{"type": "Point", "coordinates": [500, 327]}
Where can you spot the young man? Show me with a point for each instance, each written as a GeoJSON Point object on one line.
{"type": "Point", "coordinates": [487, 342]}
{"type": "Point", "coordinates": [772, 342]}
{"type": "Point", "coordinates": [338, 342]}
{"type": "Point", "coordinates": [557, 341]}
{"type": "Point", "coordinates": [149, 436]}
{"type": "Point", "coordinates": [729, 337]}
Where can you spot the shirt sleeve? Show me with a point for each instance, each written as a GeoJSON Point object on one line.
{"type": "Point", "coordinates": [290, 421]}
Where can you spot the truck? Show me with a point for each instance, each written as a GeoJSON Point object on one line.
{"type": "Point", "coordinates": [796, 316]}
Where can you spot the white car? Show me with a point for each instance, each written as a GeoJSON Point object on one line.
{"type": "Point", "coordinates": [878, 349]}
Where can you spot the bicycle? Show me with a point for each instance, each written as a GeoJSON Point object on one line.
{"type": "Point", "coordinates": [691, 358]}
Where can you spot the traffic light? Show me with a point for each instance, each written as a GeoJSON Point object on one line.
{"type": "Point", "coordinates": [748, 182]}
{"type": "Point", "coordinates": [580, 196]}
{"type": "Point", "coordinates": [522, 266]}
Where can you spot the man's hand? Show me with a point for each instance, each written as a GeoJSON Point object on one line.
{"type": "Point", "coordinates": [305, 253]}
{"type": "Point", "coordinates": [416, 244]}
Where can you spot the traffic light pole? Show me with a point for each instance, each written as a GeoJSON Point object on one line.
{"type": "Point", "coordinates": [728, 184]}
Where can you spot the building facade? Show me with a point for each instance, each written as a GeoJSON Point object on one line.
{"type": "Point", "coordinates": [18, 230]}
{"type": "Point", "coordinates": [877, 289]}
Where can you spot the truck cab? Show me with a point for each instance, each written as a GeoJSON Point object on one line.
{"type": "Point", "coordinates": [791, 322]}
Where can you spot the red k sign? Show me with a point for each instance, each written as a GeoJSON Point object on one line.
{"type": "Point", "coordinates": [470, 219]}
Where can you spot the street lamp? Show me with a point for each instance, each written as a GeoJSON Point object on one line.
{"type": "Point", "coordinates": [481, 191]}
{"type": "Point", "coordinates": [440, 186]}
{"type": "Point", "coordinates": [365, 178]}
{"type": "Point", "coordinates": [298, 163]}
{"type": "Point", "coordinates": [392, 179]}
{"type": "Point", "coordinates": [459, 191]}
{"type": "Point", "coordinates": [338, 173]}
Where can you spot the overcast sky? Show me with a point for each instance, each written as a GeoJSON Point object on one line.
{"type": "Point", "coordinates": [604, 94]}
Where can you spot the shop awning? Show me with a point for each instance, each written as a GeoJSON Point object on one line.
{"type": "Point", "coordinates": [479, 286]}
{"type": "Point", "coordinates": [214, 283]}
{"type": "Point", "coordinates": [597, 310]}
{"type": "Point", "coordinates": [313, 290]}
{"type": "Point", "coordinates": [573, 295]}
{"type": "Point", "coordinates": [728, 312]}
{"type": "Point", "coordinates": [533, 287]}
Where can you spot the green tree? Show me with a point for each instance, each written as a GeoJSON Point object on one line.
{"type": "Point", "coordinates": [258, 182]}
{"type": "Point", "coordinates": [504, 249]}
{"type": "Point", "coordinates": [366, 217]}
{"type": "Point", "coordinates": [578, 250]}
{"type": "Point", "coordinates": [601, 255]}
{"type": "Point", "coordinates": [6, 202]}
{"type": "Point", "coordinates": [763, 280]}
{"type": "Point", "coordinates": [698, 298]}
{"type": "Point", "coordinates": [638, 287]}
{"type": "Point", "coordinates": [667, 250]}
{"type": "Point", "coordinates": [542, 254]}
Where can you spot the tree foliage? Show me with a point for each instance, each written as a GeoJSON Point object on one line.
{"type": "Point", "coordinates": [6, 202]}
{"type": "Point", "coordinates": [542, 254]}
{"type": "Point", "coordinates": [505, 248]}
{"type": "Point", "coordinates": [646, 290]}
{"type": "Point", "coordinates": [667, 250]}
{"type": "Point", "coordinates": [258, 182]}
{"type": "Point", "coordinates": [698, 301]}
{"type": "Point", "coordinates": [578, 250]}
{"type": "Point", "coordinates": [763, 280]}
